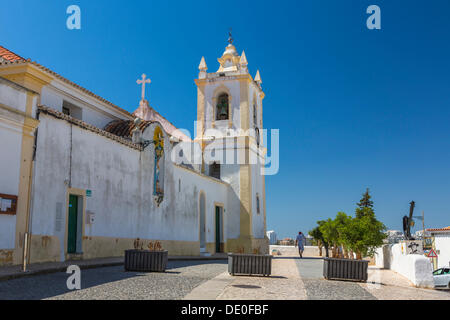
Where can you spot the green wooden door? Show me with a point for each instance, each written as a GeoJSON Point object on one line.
{"type": "Point", "coordinates": [72, 228]}
{"type": "Point", "coordinates": [218, 229]}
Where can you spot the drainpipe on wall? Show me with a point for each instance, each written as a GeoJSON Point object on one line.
{"type": "Point", "coordinates": [27, 235]}
{"type": "Point", "coordinates": [28, 220]}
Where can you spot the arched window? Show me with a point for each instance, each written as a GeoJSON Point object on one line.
{"type": "Point", "coordinates": [257, 136]}
{"type": "Point", "coordinates": [258, 210]}
{"type": "Point", "coordinates": [222, 108]}
{"type": "Point", "coordinates": [255, 115]}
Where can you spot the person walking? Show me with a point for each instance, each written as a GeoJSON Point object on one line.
{"type": "Point", "coordinates": [300, 243]}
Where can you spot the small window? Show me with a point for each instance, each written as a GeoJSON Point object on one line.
{"type": "Point", "coordinates": [72, 110]}
{"type": "Point", "coordinates": [66, 111]}
{"type": "Point", "coordinates": [258, 209]}
{"type": "Point", "coordinates": [222, 107]}
{"type": "Point", "coordinates": [214, 170]}
{"type": "Point", "coordinates": [257, 136]}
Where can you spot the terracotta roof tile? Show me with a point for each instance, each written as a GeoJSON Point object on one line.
{"type": "Point", "coordinates": [440, 229]}
{"type": "Point", "coordinates": [9, 55]}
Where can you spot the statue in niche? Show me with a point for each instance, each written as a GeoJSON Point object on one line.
{"type": "Point", "coordinates": [222, 107]}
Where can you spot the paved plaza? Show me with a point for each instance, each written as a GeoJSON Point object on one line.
{"type": "Point", "coordinates": [292, 279]}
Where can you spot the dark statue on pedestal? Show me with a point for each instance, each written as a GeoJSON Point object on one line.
{"type": "Point", "coordinates": [408, 222]}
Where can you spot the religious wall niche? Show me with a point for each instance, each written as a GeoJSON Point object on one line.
{"type": "Point", "coordinates": [222, 108]}
{"type": "Point", "coordinates": [158, 180]}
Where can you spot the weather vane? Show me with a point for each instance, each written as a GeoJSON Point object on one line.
{"type": "Point", "coordinates": [230, 39]}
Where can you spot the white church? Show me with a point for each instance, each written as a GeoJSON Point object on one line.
{"type": "Point", "coordinates": [82, 178]}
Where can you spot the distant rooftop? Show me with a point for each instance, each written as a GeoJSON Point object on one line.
{"type": "Point", "coordinates": [439, 229]}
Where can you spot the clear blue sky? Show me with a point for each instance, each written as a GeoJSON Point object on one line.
{"type": "Point", "coordinates": [356, 108]}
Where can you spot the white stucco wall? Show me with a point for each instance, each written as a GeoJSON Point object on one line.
{"type": "Point", "coordinates": [121, 180]}
{"type": "Point", "coordinates": [230, 174]}
{"type": "Point", "coordinates": [12, 97]}
{"type": "Point", "coordinates": [187, 200]}
{"type": "Point", "coordinates": [11, 125]}
{"type": "Point", "coordinates": [415, 267]}
{"type": "Point", "coordinates": [51, 98]}
{"type": "Point", "coordinates": [10, 140]}
{"type": "Point", "coordinates": [93, 111]}
{"type": "Point", "coordinates": [442, 243]}
{"type": "Point", "coordinates": [257, 188]}
{"type": "Point", "coordinates": [254, 92]}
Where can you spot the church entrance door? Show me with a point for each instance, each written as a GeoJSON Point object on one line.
{"type": "Point", "coordinates": [219, 224]}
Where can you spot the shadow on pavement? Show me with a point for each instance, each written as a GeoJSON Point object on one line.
{"type": "Point", "coordinates": [50, 285]}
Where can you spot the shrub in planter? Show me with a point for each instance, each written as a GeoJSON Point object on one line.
{"type": "Point", "coordinates": [153, 259]}
{"type": "Point", "coordinates": [346, 235]}
{"type": "Point", "coordinates": [250, 264]}
{"type": "Point", "coordinates": [345, 269]}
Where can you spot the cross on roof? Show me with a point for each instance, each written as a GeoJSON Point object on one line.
{"type": "Point", "coordinates": [143, 82]}
{"type": "Point", "coordinates": [230, 39]}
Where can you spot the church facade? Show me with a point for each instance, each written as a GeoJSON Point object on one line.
{"type": "Point", "coordinates": [85, 178]}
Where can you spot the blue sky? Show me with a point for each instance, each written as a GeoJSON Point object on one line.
{"type": "Point", "coordinates": [356, 108]}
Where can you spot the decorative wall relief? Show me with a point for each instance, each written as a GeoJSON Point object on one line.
{"type": "Point", "coordinates": [158, 184]}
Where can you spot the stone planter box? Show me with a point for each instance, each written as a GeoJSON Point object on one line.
{"type": "Point", "coordinates": [249, 264]}
{"type": "Point", "coordinates": [145, 260]}
{"type": "Point", "coordinates": [345, 269]}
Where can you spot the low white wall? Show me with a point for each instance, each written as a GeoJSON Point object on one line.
{"type": "Point", "coordinates": [415, 267]}
{"type": "Point", "coordinates": [442, 244]}
{"type": "Point", "coordinates": [310, 251]}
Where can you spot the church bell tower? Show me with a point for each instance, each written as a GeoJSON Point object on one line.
{"type": "Point", "coordinates": [229, 130]}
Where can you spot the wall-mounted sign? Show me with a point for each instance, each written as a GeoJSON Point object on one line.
{"type": "Point", "coordinates": [88, 193]}
{"type": "Point", "coordinates": [8, 204]}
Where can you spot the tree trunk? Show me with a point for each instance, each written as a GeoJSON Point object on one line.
{"type": "Point", "coordinates": [346, 253]}
{"type": "Point", "coordinates": [358, 255]}
{"type": "Point", "coordinates": [319, 244]}
{"type": "Point", "coordinates": [327, 251]}
{"type": "Point", "coordinates": [333, 252]}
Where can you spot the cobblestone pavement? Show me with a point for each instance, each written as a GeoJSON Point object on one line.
{"type": "Point", "coordinates": [300, 279]}
{"type": "Point", "coordinates": [317, 288]}
{"type": "Point", "coordinates": [113, 283]}
{"type": "Point", "coordinates": [283, 284]}
{"type": "Point", "coordinates": [292, 279]}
